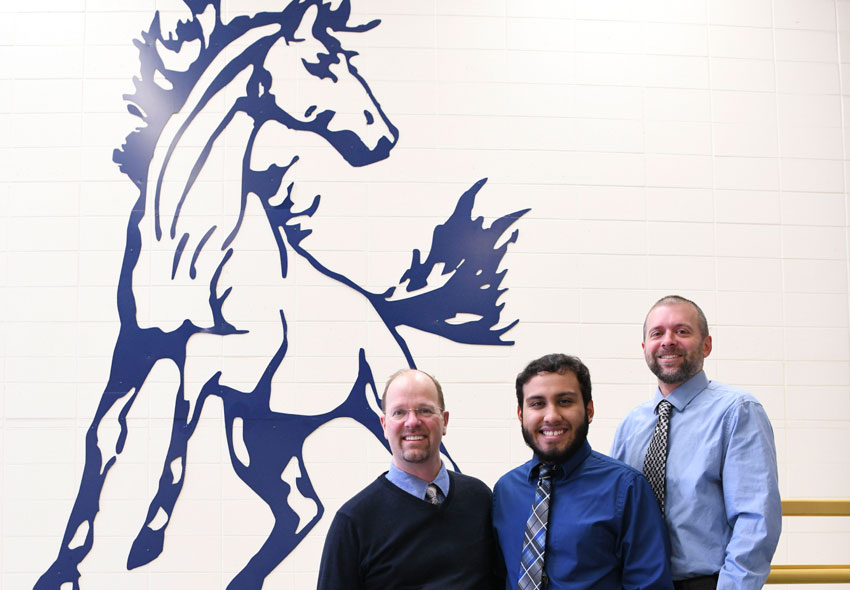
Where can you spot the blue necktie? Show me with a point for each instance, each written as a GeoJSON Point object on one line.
{"type": "Point", "coordinates": [534, 545]}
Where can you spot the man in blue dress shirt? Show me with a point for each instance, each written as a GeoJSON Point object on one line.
{"type": "Point", "coordinates": [721, 503]}
{"type": "Point", "coordinates": [605, 531]}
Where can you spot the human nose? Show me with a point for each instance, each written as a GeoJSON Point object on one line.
{"type": "Point", "coordinates": [412, 418]}
{"type": "Point", "coordinates": [551, 413]}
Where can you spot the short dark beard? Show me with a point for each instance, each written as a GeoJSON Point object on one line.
{"type": "Point", "coordinates": [685, 371]}
{"type": "Point", "coordinates": [560, 456]}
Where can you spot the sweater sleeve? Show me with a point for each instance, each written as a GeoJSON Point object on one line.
{"type": "Point", "coordinates": [340, 565]}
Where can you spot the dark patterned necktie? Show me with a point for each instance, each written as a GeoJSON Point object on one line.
{"type": "Point", "coordinates": [431, 494]}
{"type": "Point", "coordinates": [534, 545]}
{"type": "Point", "coordinates": [655, 462]}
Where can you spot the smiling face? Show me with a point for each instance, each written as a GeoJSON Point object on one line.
{"type": "Point", "coordinates": [553, 416]}
{"type": "Point", "coordinates": [673, 344]}
{"type": "Point", "coordinates": [414, 424]}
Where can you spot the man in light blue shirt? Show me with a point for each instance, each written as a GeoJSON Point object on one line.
{"type": "Point", "coordinates": [721, 503]}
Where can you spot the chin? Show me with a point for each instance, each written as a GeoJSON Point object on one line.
{"type": "Point", "coordinates": [556, 454]}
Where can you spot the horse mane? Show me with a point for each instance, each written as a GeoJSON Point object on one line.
{"type": "Point", "coordinates": [161, 89]}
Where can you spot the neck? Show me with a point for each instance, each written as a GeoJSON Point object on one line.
{"type": "Point", "coordinates": [667, 388]}
{"type": "Point", "coordinates": [424, 471]}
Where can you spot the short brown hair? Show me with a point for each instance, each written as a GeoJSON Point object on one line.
{"type": "Point", "coordinates": [679, 300]}
{"type": "Point", "coordinates": [560, 364]}
{"type": "Point", "coordinates": [401, 372]}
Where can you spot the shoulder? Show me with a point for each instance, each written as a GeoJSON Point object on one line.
{"type": "Point", "coordinates": [636, 418]}
{"type": "Point", "coordinates": [611, 467]}
{"type": "Point", "coordinates": [513, 477]}
{"type": "Point", "coordinates": [471, 499]}
{"type": "Point", "coordinates": [371, 498]}
{"type": "Point", "coordinates": [468, 484]}
{"type": "Point", "coordinates": [732, 413]}
{"type": "Point", "coordinates": [640, 412]}
{"type": "Point", "coordinates": [511, 491]}
{"type": "Point", "coordinates": [728, 393]}
{"type": "Point", "coordinates": [729, 399]}
{"type": "Point", "coordinates": [624, 483]}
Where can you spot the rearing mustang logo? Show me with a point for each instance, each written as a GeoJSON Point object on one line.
{"type": "Point", "coordinates": [225, 108]}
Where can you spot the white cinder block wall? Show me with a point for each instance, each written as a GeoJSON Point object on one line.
{"type": "Point", "coordinates": [696, 147]}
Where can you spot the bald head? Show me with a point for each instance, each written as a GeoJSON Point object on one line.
{"type": "Point", "coordinates": [399, 373]}
{"type": "Point", "coordinates": [702, 322]}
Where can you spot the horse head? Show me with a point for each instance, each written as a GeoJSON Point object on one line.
{"type": "Point", "coordinates": [317, 88]}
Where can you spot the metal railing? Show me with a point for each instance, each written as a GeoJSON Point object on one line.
{"type": "Point", "coordinates": [812, 574]}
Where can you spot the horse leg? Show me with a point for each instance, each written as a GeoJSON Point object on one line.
{"type": "Point", "coordinates": [101, 454]}
{"type": "Point", "coordinates": [286, 488]}
{"type": "Point", "coordinates": [292, 487]}
{"type": "Point", "coordinates": [149, 542]}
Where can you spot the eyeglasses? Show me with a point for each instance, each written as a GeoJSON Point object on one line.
{"type": "Point", "coordinates": [424, 413]}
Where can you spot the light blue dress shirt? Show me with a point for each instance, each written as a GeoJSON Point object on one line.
{"type": "Point", "coordinates": [415, 486]}
{"type": "Point", "coordinates": [722, 504]}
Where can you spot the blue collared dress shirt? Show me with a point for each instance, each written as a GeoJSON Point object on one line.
{"type": "Point", "coordinates": [605, 528]}
{"type": "Point", "coordinates": [415, 486]}
{"type": "Point", "coordinates": [722, 504]}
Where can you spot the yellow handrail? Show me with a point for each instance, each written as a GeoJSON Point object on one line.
{"type": "Point", "coordinates": [809, 574]}
{"type": "Point", "coordinates": [812, 574]}
{"type": "Point", "coordinates": [815, 507]}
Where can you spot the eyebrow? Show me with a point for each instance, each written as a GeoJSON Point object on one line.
{"type": "Point", "coordinates": [679, 325]}
{"type": "Point", "coordinates": [559, 395]}
{"type": "Point", "coordinates": [415, 406]}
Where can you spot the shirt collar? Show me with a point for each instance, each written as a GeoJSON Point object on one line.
{"type": "Point", "coordinates": [415, 486]}
{"type": "Point", "coordinates": [685, 393]}
{"type": "Point", "coordinates": [565, 468]}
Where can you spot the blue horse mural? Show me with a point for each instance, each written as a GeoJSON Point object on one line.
{"type": "Point", "coordinates": [207, 90]}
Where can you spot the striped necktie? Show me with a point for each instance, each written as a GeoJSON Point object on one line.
{"type": "Point", "coordinates": [655, 462]}
{"type": "Point", "coordinates": [534, 546]}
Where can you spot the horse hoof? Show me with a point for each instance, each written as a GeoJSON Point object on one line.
{"type": "Point", "coordinates": [146, 547]}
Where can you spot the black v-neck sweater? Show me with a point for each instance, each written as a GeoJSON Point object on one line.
{"type": "Point", "coordinates": [384, 538]}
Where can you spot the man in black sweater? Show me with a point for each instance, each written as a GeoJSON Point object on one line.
{"type": "Point", "coordinates": [417, 525]}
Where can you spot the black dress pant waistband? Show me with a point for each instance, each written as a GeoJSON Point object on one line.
{"type": "Point", "coordinates": [698, 583]}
